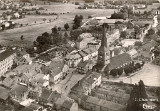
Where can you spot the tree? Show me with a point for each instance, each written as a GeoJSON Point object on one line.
{"type": "Point", "coordinates": [158, 32]}
{"type": "Point", "coordinates": [77, 3]}
{"type": "Point", "coordinates": [114, 72]}
{"type": "Point", "coordinates": [66, 26]}
{"type": "Point", "coordinates": [22, 38]}
{"type": "Point", "coordinates": [59, 28]}
{"type": "Point", "coordinates": [120, 71]}
{"type": "Point", "coordinates": [89, 16]}
{"type": "Point", "coordinates": [117, 16]}
{"type": "Point", "coordinates": [137, 31]}
{"type": "Point", "coordinates": [74, 27]}
{"type": "Point", "coordinates": [133, 103]}
{"type": "Point", "coordinates": [142, 90]}
{"type": "Point", "coordinates": [3, 26]}
{"type": "Point", "coordinates": [45, 38]}
{"type": "Point", "coordinates": [81, 17]}
{"type": "Point", "coordinates": [66, 34]}
{"type": "Point", "coordinates": [75, 33]}
{"type": "Point", "coordinates": [151, 32]}
{"type": "Point", "coordinates": [44, 19]}
{"type": "Point", "coordinates": [54, 29]}
{"type": "Point", "coordinates": [126, 70]}
{"type": "Point", "coordinates": [123, 34]}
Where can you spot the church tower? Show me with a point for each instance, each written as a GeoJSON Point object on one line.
{"type": "Point", "coordinates": [103, 51]}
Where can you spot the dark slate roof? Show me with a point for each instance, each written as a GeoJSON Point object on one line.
{"type": "Point", "coordinates": [83, 97]}
{"type": "Point", "coordinates": [119, 60]}
{"type": "Point", "coordinates": [54, 96]}
{"type": "Point", "coordinates": [82, 64]}
{"type": "Point", "coordinates": [67, 104]}
{"type": "Point", "coordinates": [45, 94]}
{"type": "Point", "coordinates": [32, 107]}
{"type": "Point", "coordinates": [8, 82]}
{"type": "Point", "coordinates": [4, 93]}
{"type": "Point", "coordinates": [56, 64]}
{"type": "Point", "coordinates": [19, 89]}
{"type": "Point", "coordinates": [6, 54]}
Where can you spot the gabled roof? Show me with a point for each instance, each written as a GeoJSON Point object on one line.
{"type": "Point", "coordinates": [92, 100]}
{"type": "Point", "coordinates": [86, 82]}
{"type": "Point", "coordinates": [6, 54]}
{"type": "Point", "coordinates": [54, 96]}
{"type": "Point", "coordinates": [83, 97]}
{"type": "Point", "coordinates": [45, 94]}
{"type": "Point", "coordinates": [119, 60]}
{"type": "Point", "coordinates": [4, 93]}
{"type": "Point", "coordinates": [32, 107]}
{"type": "Point", "coordinates": [83, 64]}
{"type": "Point", "coordinates": [56, 72]}
{"type": "Point", "coordinates": [8, 82]}
{"type": "Point", "coordinates": [73, 56]}
{"type": "Point", "coordinates": [55, 64]}
{"type": "Point", "coordinates": [67, 104]}
{"type": "Point", "coordinates": [82, 53]}
{"type": "Point", "coordinates": [18, 89]}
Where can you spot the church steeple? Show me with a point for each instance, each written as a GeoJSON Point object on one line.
{"type": "Point", "coordinates": [103, 51]}
{"type": "Point", "coordinates": [104, 39]}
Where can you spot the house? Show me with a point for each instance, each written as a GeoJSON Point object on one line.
{"type": "Point", "coordinates": [69, 106]}
{"type": "Point", "coordinates": [23, 57]}
{"type": "Point", "coordinates": [6, 60]}
{"type": "Point", "coordinates": [17, 15]}
{"type": "Point", "coordinates": [58, 103]}
{"type": "Point", "coordinates": [95, 104]}
{"type": "Point", "coordinates": [88, 53]}
{"type": "Point", "coordinates": [85, 85]}
{"type": "Point", "coordinates": [4, 94]}
{"type": "Point", "coordinates": [19, 92]}
{"type": "Point", "coordinates": [33, 107]}
{"type": "Point", "coordinates": [58, 70]}
{"type": "Point", "coordinates": [48, 96]}
{"type": "Point", "coordinates": [106, 94]}
{"type": "Point", "coordinates": [84, 66]}
{"type": "Point", "coordinates": [72, 59]}
{"type": "Point", "coordinates": [82, 42]}
{"type": "Point", "coordinates": [8, 82]}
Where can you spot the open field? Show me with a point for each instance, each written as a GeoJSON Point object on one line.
{"type": "Point", "coordinates": [30, 33]}
{"type": "Point", "coordinates": [30, 19]}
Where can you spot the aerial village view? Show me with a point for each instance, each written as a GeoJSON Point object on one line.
{"type": "Point", "coordinates": [79, 55]}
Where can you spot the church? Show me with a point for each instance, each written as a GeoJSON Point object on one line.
{"type": "Point", "coordinates": [106, 60]}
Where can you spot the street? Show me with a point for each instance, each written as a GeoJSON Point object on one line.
{"type": "Point", "coordinates": [150, 75]}
{"type": "Point", "coordinates": [65, 85]}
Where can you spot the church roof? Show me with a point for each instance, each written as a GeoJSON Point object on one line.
{"type": "Point", "coordinates": [118, 61]}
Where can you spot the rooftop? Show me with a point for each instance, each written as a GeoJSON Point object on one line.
{"type": "Point", "coordinates": [19, 89]}
{"type": "Point", "coordinates": [4, 93]}
{"type": "Point", "coordinates": [67, 104]}
{"type": "Point", "coordinates": [6, 53]}
{"type": "Point", "coordinates": [119, 60]}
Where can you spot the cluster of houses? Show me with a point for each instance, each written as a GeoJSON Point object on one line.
{"type": "Point", "coordinates": [30, 100]}
{"type": "Point", "coordinates": [28, 84]}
